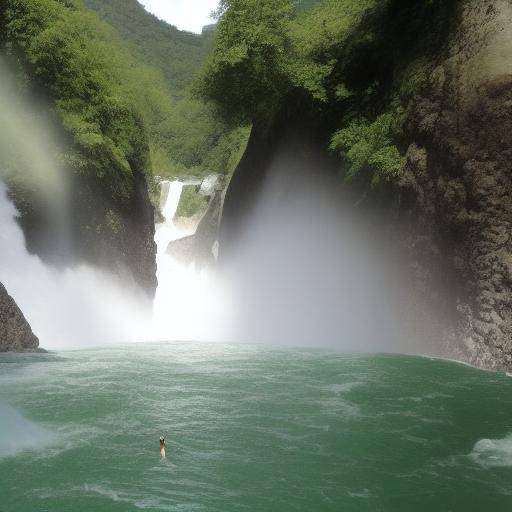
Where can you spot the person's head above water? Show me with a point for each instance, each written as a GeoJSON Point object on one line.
{"type": "Point", "coordinates": [162, 439]}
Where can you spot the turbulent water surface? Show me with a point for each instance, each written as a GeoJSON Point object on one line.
{"type": "Point", "coordinates": [251, 428]}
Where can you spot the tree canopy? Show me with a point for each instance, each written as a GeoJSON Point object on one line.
{"type": "Point", "coordinates": [360, 59]}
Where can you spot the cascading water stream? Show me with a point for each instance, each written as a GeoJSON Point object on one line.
{"type": "Point", "coordinates": [86, 306]}
{"type": "Point", "coordinates": [188, 301]}
{"type": "Point", "coordinates": [70, 308]}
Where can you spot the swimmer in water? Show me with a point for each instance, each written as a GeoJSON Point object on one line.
{"type": "Point", "coordinates": [162, 447]}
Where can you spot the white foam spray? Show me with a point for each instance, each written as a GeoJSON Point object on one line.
{"type": "Point", "coordinates": [308, 268]}
{"type": "Point", "coordinates": [78, 307]}
{"type": "Point", "coordinates": [189, 303]}
{"type": "Point", "coordinates": [18, 434]}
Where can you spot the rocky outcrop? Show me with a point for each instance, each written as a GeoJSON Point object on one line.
{"type": "Point", "coordinates": [459, 175]}
{"type": "Point", "coordinates": [15, 332]}
{"type": "Point", "coordinates": [182, 249]}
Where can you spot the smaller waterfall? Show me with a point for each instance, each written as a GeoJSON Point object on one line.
{"type": "Point", "coordinates": [188, 301]}
{"type": "Point", "coordinates": [167, 231]}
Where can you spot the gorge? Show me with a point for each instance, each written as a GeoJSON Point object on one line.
{"type": "Point", "coordinates": [440, 226]}
{"type": "Point", "coordinates": [282, 245]}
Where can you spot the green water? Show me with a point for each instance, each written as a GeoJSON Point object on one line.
{"type": "Point", "coordinates": [251, 429]}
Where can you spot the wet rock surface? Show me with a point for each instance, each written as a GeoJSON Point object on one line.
{"type": "Point", "coordinates": [15, 332]}
{"type": "Point", "coordinates": [459, 164]}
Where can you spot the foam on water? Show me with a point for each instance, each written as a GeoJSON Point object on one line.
{"type": "Point", "coordinates": [493, 452]}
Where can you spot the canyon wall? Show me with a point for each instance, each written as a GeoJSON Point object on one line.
{"type": "Point", "coordinates": [459, 174]}
{"type": "Point", "coordinates": [449, 215]}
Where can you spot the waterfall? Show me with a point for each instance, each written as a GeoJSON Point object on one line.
{"type": "Point", "coordinates": [85, 306]}
{"type": "Point", "coordinates": [166, 232]}
{"type": "Point", "coordinates": [188, 301]}
{"type": "Point", "coordinates": [71, 308]}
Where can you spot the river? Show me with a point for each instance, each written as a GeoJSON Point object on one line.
{"type": "Point", "coordinates": [251, 428]}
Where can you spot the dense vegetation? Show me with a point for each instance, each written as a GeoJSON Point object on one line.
{"type": "Point", "coordinates": [175, 53]}
{"type": "Point", "coordinates": [66, 54]}
{"type": "Point", "coordinates": [111, 106]}
{"type": "Point", "coordinates": [359, 60]}
{"type": "Point", "coordinates": [187, 136]}
{"type": "Point", "coordinates": [97, 100]}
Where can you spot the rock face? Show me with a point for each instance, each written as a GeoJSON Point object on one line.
{"type": "Point", "coordinates": [15, 332]}
{"type": "Point", "coordinates": [182, 249]}
{"type": "Point", "coordinates": [100, 228]}
{"type": "Point", "coordinates": [451, 214]}
{"type": "Point", "coordinates": [459, 173]}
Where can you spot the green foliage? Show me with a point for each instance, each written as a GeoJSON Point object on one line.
{"type": "Point", "coordinates": [186, 136]}
{"type": "Point", "coordinates": [82, 65]}
{"type": "Point", "coordinates": [228, 150]}
{"type": "Point", "coordinates": [176, 54]}
{"type": "Point", "coordinates": [113, 104]}
{"type": "Point", "coordinates": [191, 202]}
{"type": "Point", "coordinates": [371, 146]}
{"type": "Point", "coordinates": [304, 5]}
{"type": "Point", "coordinates": [341, 54]}
{"type": "Point", "coordinates": [246, 74]}
{"type": "Point", "coordinates": [265, 48]}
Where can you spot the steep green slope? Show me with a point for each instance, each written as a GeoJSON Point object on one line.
{"type": "Point", "coordinates": [97, 98]}
{"type": "Point", "coordinates": [175, 53]}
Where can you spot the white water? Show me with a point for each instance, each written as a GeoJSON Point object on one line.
{"type": "Point", "coordinates": [78, 307]}
{"type": "Point", "coordinates": [86, 306]}
{"type": "Point", "coordinates": [493, 452]}
{"type": "Point", "coordinates": [188, 303]}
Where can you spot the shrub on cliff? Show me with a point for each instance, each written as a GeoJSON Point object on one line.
{"type": "Point", "coordinates": [371, 147]}
{"type": "Point", "coordinates": [246, 73]}
{"type": "Point", "coordinates": [353, 63]}
{"type": "Point", "coordinates": [191, 202]}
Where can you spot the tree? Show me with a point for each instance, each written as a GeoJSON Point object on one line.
{"type": "Point", "coordinates": [246, 74]}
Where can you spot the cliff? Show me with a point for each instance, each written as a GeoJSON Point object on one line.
{"type": "Point", "coordinates": [15, 332]}
{"type": "Point", "coordinates": [83, 196]}
{"type": "Point", "coordinates": [447, 205]}
{"type": "Point", "coordinates": [458, 173]}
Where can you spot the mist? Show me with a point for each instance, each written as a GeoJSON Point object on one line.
{"type": "Point", "coordinates": [73, 307]}
{"type": "Point", "coordinates": [190, 303]}
{"type": "Point", "coordinates": [70, 308]}
{"type": "Point", "coordinates": [28, 142]}
{"type": "Point", "coordinates": [309, 268]}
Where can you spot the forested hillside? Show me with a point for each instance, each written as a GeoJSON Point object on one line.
{"type": "Point", "coordinates": [175, 53]}
{"type": "Point", "coordinates": [187, 136]}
